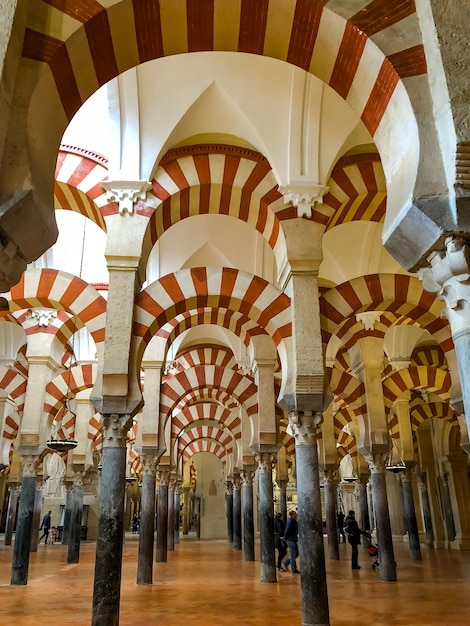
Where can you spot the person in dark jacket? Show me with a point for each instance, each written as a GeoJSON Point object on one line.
{"type": "Point", "coordinates": [353, 533]}
{"type": "Point", "coordinates": [45, 527]}
{"type": "Point", "coordinates": [291, 536]}
{"type": "Point", "coordinates": [340, 526]}
{"type": "Point", "coordinates": [281, 544]}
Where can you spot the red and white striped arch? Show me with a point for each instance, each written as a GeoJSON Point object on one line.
{"type": "Point", "coordinates": [58, 290]}
{"type": "Point", "coordinates": [95, 433]}
{"type": "Point", "coordinates": [432, 379]}
{"type": "Point", "coordinates": [421, 411]}
{"type": "Point", "coordinates": [73, 380]}
{"type": "Point", "coordinates": [78, 177]}
{"type": "Point", "coordinates": [195, 432]}
{"type": "Point", "coordinates": [204, 445]}
{"type": "Point", "coordinates": [209, 411]}
{"type": "Point", "coordinates": [349, 390]}
{"type": "Point", "coordinates": [13, 385]}
{"type": "Point", "coordinates": [429, 356]}
{"type": "Point", "coordinates": [208, 355]}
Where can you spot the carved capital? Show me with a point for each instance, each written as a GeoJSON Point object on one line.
{"type": "Point", "coordinates": [304, 197]}
{"type": "Point", "coordinates": [237, 483]}
{"type": "Point", "coordinates": [229, 488]}
{"type": "Point", "coordinates": [265, 461]}
{"type": "Point", "coordinates": [330, 477]}
{"type": "Point", "coordinates": [304, 426]}
{"type": "Point", "coordinates": [29, 465]}
{"type": "Point", "coordinates": [377, 462]}
{"type": "Point", "coordinates": [78, 479]}
{"type": "Point", "coordinates": [115, 429]}
{"type": "Point", "coordinates": [164, 477]}
{"type": "Point", "coordinates": [149, 464]}
{"type": "Point", "coordinates": [247, 476]}
{"type": "Point", "coordinates": [126, 192]}
{"type": "Point", "coordinates": [282, 484]}
{"type": "Point", "coordinates": [43, 316]}
{"type": "Point", "coordinates": [422, 481]}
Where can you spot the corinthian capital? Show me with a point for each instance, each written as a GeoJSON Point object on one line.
{"type": "Point", "coordinates": [304, 426]}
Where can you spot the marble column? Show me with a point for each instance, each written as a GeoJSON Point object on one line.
{"type": "Point", "coordinates": [67, 512]}
{"type": "Point", "coordinates": [14, 489]}
{"type": "Point", "coordinates": [387, 568]}
{"type": "Point", "coordinates": [447, 506]}
{"type": "Point", "coordinates": [409, 513]}
{"type": "Point", "coordinates": [171, 514]}
{"type": "Point", "coordinates": [282, 484]}
{"type": "Point", "coordinates": [266, 517]}
{"type": "Point", "coordinates": [73, 552]}
{"type": "Point", "coordinates": [37, 514]}
{"type": "Point", "coordinates": [237, 513]}
{"type": "Point", "coordinates": [360, 492]}
{"type": "Point", "coordinates": [161, 552]}
{"type": "Point", "coordinates": [177, 510]}
{"type": "Point", "coordinates": [229, 510]}
{"type": "Point", "coordinates": [24, 522]}
{"type": "Point", "coordinates": [315, 610]}
{"type": "Point", "coordinates": [109, 543]}
{"type": "Point", "coordinates": [330, 483]}
{"type": "Point", "coordinates": [147, 520]}
{"type": "Point", "coordinates": [248, 517]}
{"type": "Point", "coordinates": [426, 509]}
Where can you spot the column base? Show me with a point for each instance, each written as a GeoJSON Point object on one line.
{"type": "Point", "coordinates": [460, 544]}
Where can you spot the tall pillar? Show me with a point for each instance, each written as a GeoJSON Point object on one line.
{"type": "Point", "coordinates": [37, 514]}
{"type": "Point", "coordinates": [282, 484]}
{"type": "Point", "coordinates": [171, 514]}
{"type": "Point", "coordinates": [237, 513]}
{"type": "Point", "coordinates": [24, 522]}
{"type": "Point", "coordinates": [248, 517]}
{"type": "Point", "coordinates": [68, 484]}
{"type": "Point", "coordinates": [73, 553]}
{"type": "Point", "coordinates": [315, 610]}
{"type": "Point", "coordinates": [108, 564]}
{"type": "Point", "coordinates": [360, 492]}
{"type": "Point", "coordinates": [266, 517]}
{"type": "Point", "coordinates": [161, 553]}
{"type": "Point", "coordinates": [14, 489]}
{"type": "Point", "coordinates": [330, 483]}
{"type": "Point", "coordinates": [410, 514]}
{"type": "Point", "coordinates": [229, 510]}
{"type": "Point", "coordinates": [426, 509]}
{"type": "Point", "coordinates": [382, 518]}
{"type": "Point", "coordinates": [177, 509]}
{"type": "Point", "coordinates": [447, 506]}
{"type": "Point", "coordinates": [147, 520]}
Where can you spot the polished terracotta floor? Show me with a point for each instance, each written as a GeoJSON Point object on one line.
{"type": "Point", "coordinates": [209, 583]}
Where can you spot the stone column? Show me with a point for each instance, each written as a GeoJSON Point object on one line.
{"type": "Point", "coordinates": [266, 517]}
{"type": "Point", "coordinates": [171, 514]}
{"type": "Point", "coordinates": [282, 484]}
{"type": "Point", "coordinates": [37, 514]}
{"type": "Point", "coordinates": [447, 506]}
{"type": "Point", "coordinates": [410, 514]}
{"type": "Point", "coordinates": [161, 553]}
{"type": "Point", "coordinates": [248, 517]}
{"type": "Point", "coordinates": [147, 520]}
{"type": "Point", "coordinates": [177, 509]}
{"type": "Point", "coordinates": [73, 553]}
{"type": "Point", "coordinates": [382, 518]}
{"type": "Point", "coordinates": [11, 512]}
{"type": "Point", "coordinates": [426, 508]}
{"type": "Point", "coordinates": [330, 483]}
{"type": "Point", "coordinates": [24, 523]}
{"type": "Point", "coordinates": [108, 565]}
{"type": "Point", "coordinates": [315, 610]}
{"type": "Point", "coordinates": [360, 491]}
{"type": "Point", "coordinates": [237, 512]}
{"type": "Point", "coordinates": [67, 512]}
{"type": "Point", "coordinates": [229, 510]}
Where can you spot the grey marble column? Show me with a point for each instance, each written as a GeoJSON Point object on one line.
{"type": "Point", "coordinates": [24, 521]}
{"type": "Point", "coordinates": [14, 489]}
{"type": "Point", "coordinates": [330, 483]}
{"type": "Point", "coordinates": [409, 512]}
{"type": "Point", "coordinates": [73, 552]}
{"type": "Point", "coordinates": [282, 484]}
{"type": "Point", "coordinates": [266, 517]}
{"type": "Point", "coordinates": [248, 517]}
{"type": "Point", "coordinates": [360, 492]}
{"type": "Point", "coordinates": [237, 513]}
{"type": "Point", "coordinates": [315, 609]}
{"type": "Point", "coordinates": [177, 510]}
{"type": "Point", "coordinates": [37, 514]}
{"type": "Point", "coordinates": [229, 510]}
{"type": "Point", "coordinates": [68, 484]}
{"type": "Point", "coordinates": [447, 506]}
{"type": "Point", "coordinates": [171, 514]}
{"type": "Point", "coordinates": [387, 568]}
{"type": "Point", "coordinates": [161, 552]}
{"type": "Point", "coordinates": [426, 509]}
{"type": "Point", "coordinates": [147, 520]}
{"type": "Point", "coordinates": [108, 564]}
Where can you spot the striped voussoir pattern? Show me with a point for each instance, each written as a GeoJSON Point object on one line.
{"type": "Point", "coordinates": [349, 389]}
{"type": "Point", "coordinates": [89, 49]}
{"type": "Point", "coordinates": [432, 379]}
{"type": "Point", "coordinates": [206, 394]}
{"type": "Point", "coordinates": [13, 385]}
{"type": "Point", "coordinates": [204, 445]}
{"type": "Point", "coordinates": [206, 411]}
{"type": "Point", "coordinates": [430, 356]}
{"type": "Point", "coordinates": [48, 288]}
{"type": "Point", "coordinates": [228, 288]}
{"type": "Point", "coordinates": [208, 355]}
{"type": "Point", "coordinates": [195, 432]}
{"type": "Point", "coordinates": [421, 411]}
{"type": "Point", "coordinates": [95, 433]}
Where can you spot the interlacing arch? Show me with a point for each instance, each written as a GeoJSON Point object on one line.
{"type": "Point", "coordinates": [207, 355]}
{"type": "Point", "coordinates": [204, 445]}
{"type": "Point", "coordinates": [349, 389]}
{"type": "Point", "coordinates": [209, 411]}
{"type": "Point", "coordinates": [421, 411]}
{"type": "Point", "coordinates": [48, 288]}
{"type": "Point", "coordinates": [431, 379]}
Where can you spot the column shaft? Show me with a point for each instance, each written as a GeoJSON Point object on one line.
{"type": "Point", "coordinates": [67, 514]}
{"type": "Point", "coordinates": [24, 525]}
{"type": "Point", "coordinates": [384, 533]}
{"type": "Point", "coordinates": [410, 519]}
{"type": "Point", "coordinates": [161, 553]}
{"type": "Point", "coordinates": [248, 523]}
{"type": "Point", "coordinates": [363, 505]}
{"type": "Point", "coordinates": [171, 517]}
{"type": "Point", "coordinates": [147, 528]}
{"type": "Point", "coordinates": [177, 514]}
{"type": "Point", "coordinates": [37, 513]}
{"type": "Point", "coordinates": [107, 587]}
{"type": "Point", "coordinates": [229, 511]}
{"type": "Point", "coordinates": [237, 515]}
{"type": "Point", "coordinates": [11, 513]}
{"type": "Point", "coordinates": [266, 520]}
{"type": "Point", "coordinates": [73, 553]}
{"type": "Point", "coordinates": [331, 525]}
{"type": "Point", "coordinates": [427, 514]}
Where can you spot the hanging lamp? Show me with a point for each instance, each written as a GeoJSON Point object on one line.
{"type": "Point", "coordinates": [391, 465]}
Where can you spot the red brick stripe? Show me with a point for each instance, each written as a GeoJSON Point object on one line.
{"type": "Point", "coordinates": [347, 60]}
{"type": "Point", "coordinates": [410, 62]}
{"type": "Point", "coordinates": [304, 32]}
{"type": "Point", "coordinates": [81, 11]}
{"type": "Point", "coordinates": [101, 47]}
{"type": "Point", "coordinates": [380, 96]}
{"type": "Point", "coordinates": [380, 14]}
{"type": "Point", "coordinates": [200, 23]}
{"type": "Point", "coordinates": [148, 28]}
{"type": "Point", "coordinates": [253, 18]}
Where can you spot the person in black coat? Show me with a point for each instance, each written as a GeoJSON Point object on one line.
{"type": "Point", "coordinates": [45, 527]}
{"type": "Point", "coordinates": [281, 545]}
{"type": "Point", "coordinates": [353, 533]}
{"type": "Point", "coordinates": [291, 536]}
